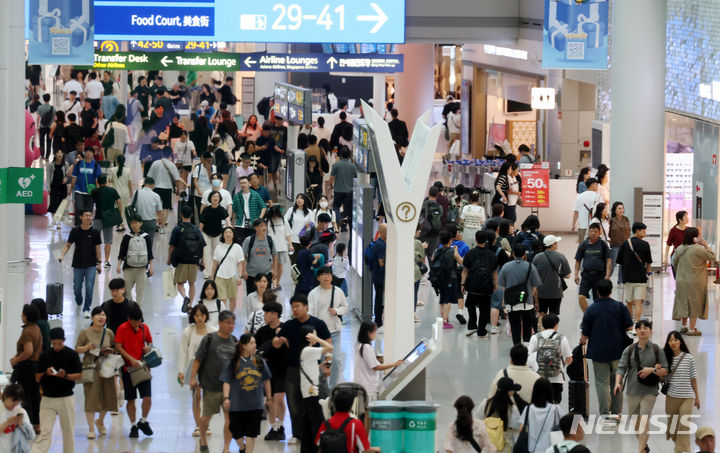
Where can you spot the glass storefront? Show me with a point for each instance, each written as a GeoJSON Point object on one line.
{"type": "Point", "coordinates": [691, 174]}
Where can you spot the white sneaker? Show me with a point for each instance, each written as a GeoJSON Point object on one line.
{"type": "Point", "coordinates": [494, 330]}
{"type": "Point", "coordinates": [293, 441]}
{"type": "Point", "coordinates": [86, 314]}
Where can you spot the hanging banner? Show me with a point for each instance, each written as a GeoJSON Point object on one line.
{"type": "Point", "coordinates": [536, 185]}
{"type": "Point", "coordinates": [575, 34]}
{"type": "Point", "coordinates": [61, 32]}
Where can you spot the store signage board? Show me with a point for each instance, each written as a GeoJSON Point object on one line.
{"type": "Point", "coordinates": [652, 209]}
{"type": "Point", "coordinates": [575, 34]}
{"type": "Point", "coordinates": [536, 185]}
{"type": "Point", "coordinates": [223, 61]}
{"type": "Point", "coordinates": [296, 21]}
{"type": "Point", "coordinates": [60, 32]}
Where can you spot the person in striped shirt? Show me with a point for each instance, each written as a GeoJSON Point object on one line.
{"type": "Point", "coordinates": [682, 393]}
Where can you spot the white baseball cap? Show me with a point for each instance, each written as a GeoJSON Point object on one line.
{"type": "Point", "coordinates": [550, 240]}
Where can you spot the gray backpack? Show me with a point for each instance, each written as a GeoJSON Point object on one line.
{"type": "Point", "coordinates": [137, 254]}
{"type": "Point", "coordinates": [549, 359]}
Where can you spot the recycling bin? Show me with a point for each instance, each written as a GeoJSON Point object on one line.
{"type": "Point", "coordinates": [387, 425]}
{"type": "Point", "coordinates": [420, 426]}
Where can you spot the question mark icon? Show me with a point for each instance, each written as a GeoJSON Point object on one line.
{"type": "Point", "coordinates": [406, 211]}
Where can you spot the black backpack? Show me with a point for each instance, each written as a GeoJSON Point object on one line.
{"type": "Point", "coordinates": [334, 440]}
{"type": "Point", "coordinates": [190, 247]}
{"type": "Point", "coordinates": [252, 242]}
{"type": "Point", "coordinates": [576, 369]}
{"type": "Point", "coordinates": [530, 241]}
{"type": "Point", "coordinates": [47, 118]}
{"type": "Point", "coordinates": [263, 106]}
{"type": "Point", "coordinates": [439, 272]}
{"type": "Point", "coordinates": [479, 280]}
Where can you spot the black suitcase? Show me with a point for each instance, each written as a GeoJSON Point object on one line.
{"type": "Point", "coordinates": [54, 298]}
{"type": "Point", "coordinates": [578, 397]}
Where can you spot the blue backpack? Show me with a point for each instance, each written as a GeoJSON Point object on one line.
{"type": "Point", "coordinates": [368, 255]}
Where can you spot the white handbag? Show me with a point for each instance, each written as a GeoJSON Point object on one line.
{"type": "Point", "coordinates": [110, 365]}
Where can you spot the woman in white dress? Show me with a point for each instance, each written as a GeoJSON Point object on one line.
{"type": "Point", "coordinates": [297, 218]}
{"type": "Point", "coordinates": [189, 342]}
{"type": "Point", "coordinates": [119, 179]}
{"type": "Point", "coordinates": [281, 235]}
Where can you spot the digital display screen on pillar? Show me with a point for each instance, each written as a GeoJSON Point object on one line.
{"type": "Point", "coordinates": [286, 21]}
{"type": "Point", "coordinates": [292, 103]}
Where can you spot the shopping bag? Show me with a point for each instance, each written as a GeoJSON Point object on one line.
{"type": "Point", "coordinates": [110, 365]}
{"type": "Point", "coordinates": [169, 288]}
{"type": "Point", "coordinates": [58, 216]}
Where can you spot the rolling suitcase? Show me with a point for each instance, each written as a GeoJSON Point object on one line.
{"type": "Point", "coordinates": [578, 384]}
{"type": "Point", "coordinates": [54, 297]}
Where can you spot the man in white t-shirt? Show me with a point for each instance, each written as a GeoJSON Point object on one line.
{"type": "Point", "coordinates": [166, 177]}
{"type": "Point", "coordinates": [584, 205]}
{"type": "Point", "coordinates": [72, 105]}
{"type": "Point", "coordinates": [94, 91]}
{"type": "Point", "coordinates": [226, 201]}
{"type": "Point", "coordinates": [202, 177]}
{"type": "Point", "coordinates": [328, 303]}
{"type": "Point", "coordinates": [73, 85]}
{"type": "Point", "coordinates": [550, 335]}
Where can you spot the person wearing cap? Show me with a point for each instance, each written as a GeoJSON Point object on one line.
{"type": "Point", "coordinates": [705, 439]}
{"type": "Point", "coordinates": [553, 268]}
{"type": "Point", "coordinates": [260, 255]}
{"type": "Point", "coordinates": [206, 110]}
{"type": "Point", "coordinates": [504, 406]}
{"type": "Point", "coordinates": [148, 205]}
{"type": "Point", "coordinates": [635, 259]}
{"type": "Point", "coordinates": [248, 207]}
{"type": "Point", "coordinates": [59, 368]}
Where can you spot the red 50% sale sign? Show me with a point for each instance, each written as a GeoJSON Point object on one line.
{"type": "Point", "coordinates": [535, 185]}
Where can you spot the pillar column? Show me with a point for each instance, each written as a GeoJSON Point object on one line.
{"type": "Point", "coordinates": [379, 93]}
{"type": "Point", "coordinates": [12, 154]}
{"type": "Point", "coordinates": [414, 86]}
{"type": "Point", "coordinates": [638, 99]}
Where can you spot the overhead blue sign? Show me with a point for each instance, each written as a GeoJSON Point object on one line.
{"type": "Point", "coordinates": [60, 32]}
{"type": "Point", "coordinates": [363, 21]}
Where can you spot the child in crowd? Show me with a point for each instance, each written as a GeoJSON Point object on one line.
{"type": "Point", "coordinates": [340, 267]}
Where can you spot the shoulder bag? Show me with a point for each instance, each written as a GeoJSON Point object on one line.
{"type": "Point", "coordinates": [88, 371]}
{"type": "Point", "coordinates": [522, 444]}
{"type": "Point", "coordinates": [563, 284]}
{"type": "Point", "coordinates": [666, 383]}
{"type": "Point", "coordinates": [153, 358]}
{"type": "Point", "coordinates": [130, 210]}
{"type": "Point", "coordinates": [167, 169]}
{"type": "Point", "coordinates": [642, 261]}
{"type": "Point", "coordinates": [223, 260]}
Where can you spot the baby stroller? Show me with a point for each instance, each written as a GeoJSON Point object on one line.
{"type": "Point", "coordinates": [360, 405]}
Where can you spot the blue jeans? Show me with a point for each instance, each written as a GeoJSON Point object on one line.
{"type": "Point", "coordinates": [614, 251]}
{"type": "Point", "coordinates": [336, 367]}
{"type": "Point", "coordinates": [87, 274]}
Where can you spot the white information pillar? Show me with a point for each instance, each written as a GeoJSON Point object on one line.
{"type": "Point", "coordinates": [403, 190]}
{"type": "Point", "coordinates": [637, 118]}
{"type": "Point", "coordinates": [12, 154]}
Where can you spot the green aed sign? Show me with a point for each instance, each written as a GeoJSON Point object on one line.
{"type": "Point", "coordinates": [21, 185]}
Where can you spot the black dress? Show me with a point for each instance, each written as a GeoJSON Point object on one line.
{"type": "Point", "coordinates": [314, 193]}
{"type": "Point", "coordinates": [58, 189]}
{"type": "Point", "coordinates": [57, 143]}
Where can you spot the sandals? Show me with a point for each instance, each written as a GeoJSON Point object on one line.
{"type": "Point", "coordinates": [196, 433]}
{"type": "Point", "coordinates": [693, 333]}
{"type": "Point", "coordinates": [101, 428]}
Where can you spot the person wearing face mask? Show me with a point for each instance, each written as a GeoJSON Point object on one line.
{"type": "Point", "coordinates": [323, 206]}
{"type": "Point", "coordinates": [217, 186]}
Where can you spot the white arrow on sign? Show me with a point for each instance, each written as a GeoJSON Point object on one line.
{"type": "Point", "coordinates": [380, 18]}
{"type": "Point", "coordinates": [332, 62]}
{"type": "Point", "coordinates": [249, 61]}
{"type": "Point", "coordinates": [165, 61]}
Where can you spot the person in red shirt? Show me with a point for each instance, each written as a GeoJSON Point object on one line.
{"type": "Point", "coordinates": [93, 142]}
{"type": "Point", "coordinates": [132, 341]}
{"type": "Point", "coordinates": [357, 438]}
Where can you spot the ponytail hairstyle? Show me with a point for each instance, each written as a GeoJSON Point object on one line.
{"type": "Point", "coordinates": [679, 216]}
{"type": "Point", "coordinates": [464, 421]}
{"type": "Point", "coordinates": [120, 164]}
{"type": "Point", "coordinates": [235, 361]}
{"type": "Point", "coordinates": [340, 248]}
{"type": "Point", "coordinates": [366, 328]}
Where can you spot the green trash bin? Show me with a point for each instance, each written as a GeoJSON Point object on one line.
{"type": "Point", "coordinates": [386, 426]}
{"type": "Point", "coordinates": [420, 425]}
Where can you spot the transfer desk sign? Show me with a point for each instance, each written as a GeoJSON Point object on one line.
{"type": "Point", "coordinates": [536, 185]}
